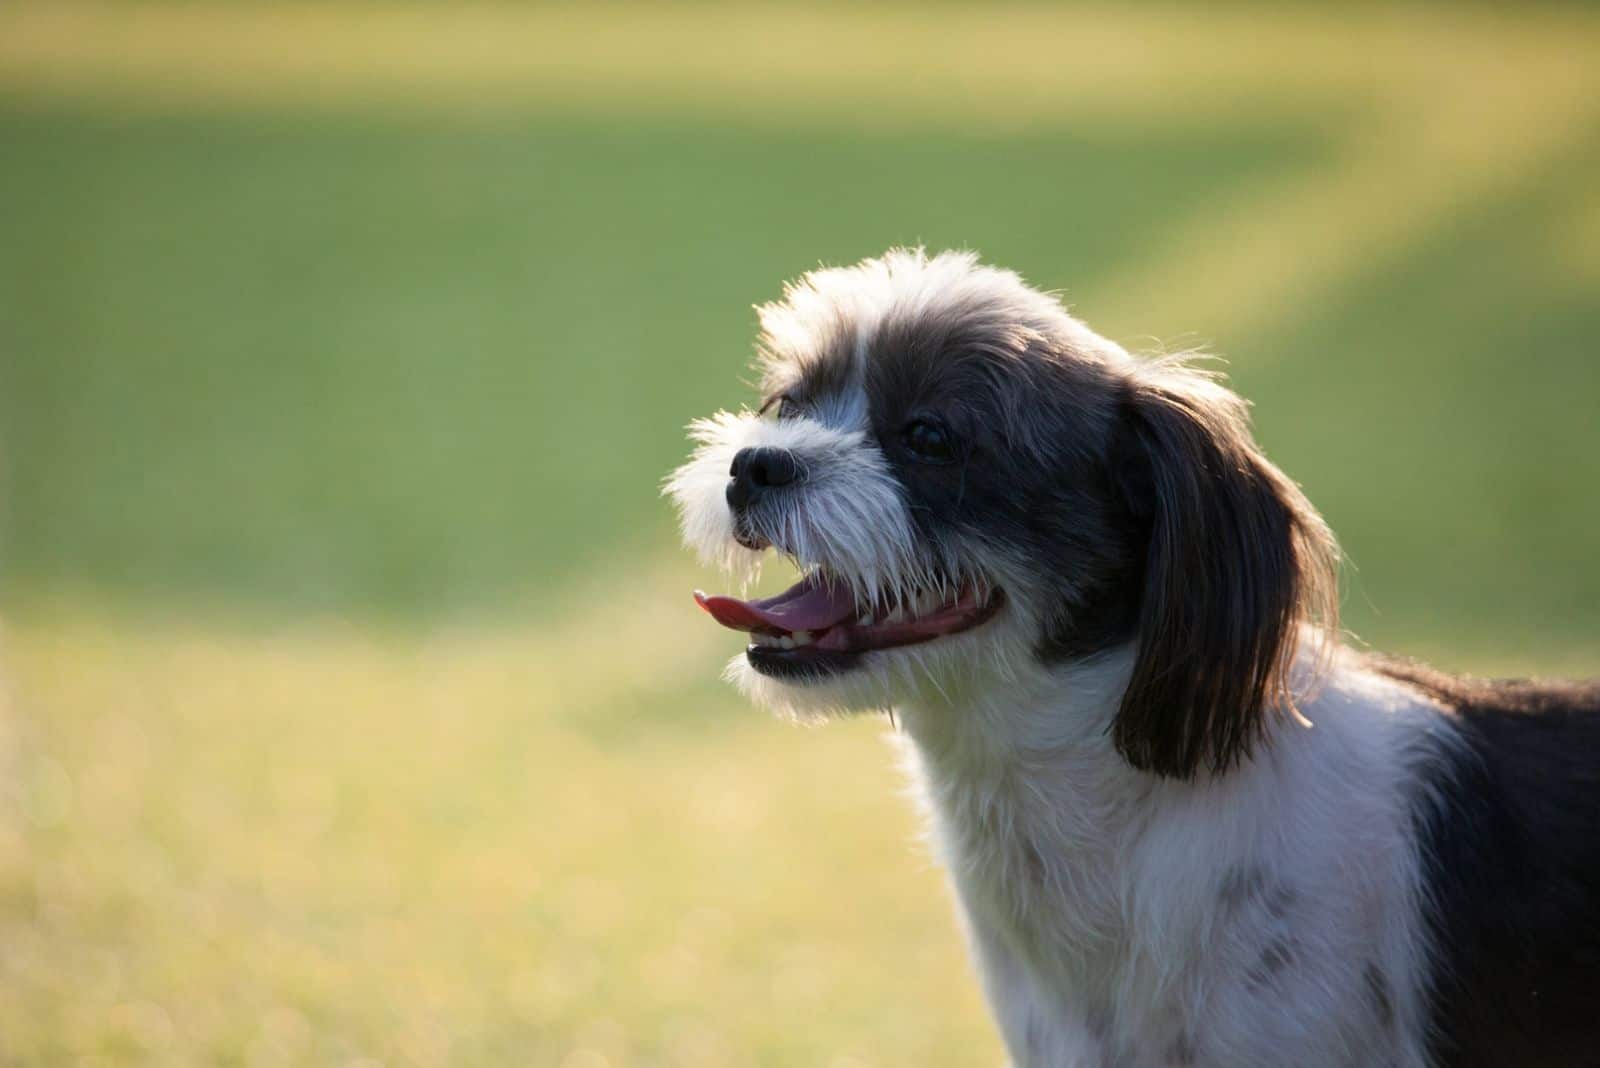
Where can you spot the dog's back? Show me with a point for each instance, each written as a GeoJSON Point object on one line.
{"type": "Point", "coordinates": [1511, 848]}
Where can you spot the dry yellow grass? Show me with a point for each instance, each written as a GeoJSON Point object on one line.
{"type": "Point", "coordinates": [324, 845]}
{"type": "Point", "coordinates": [559, 845]}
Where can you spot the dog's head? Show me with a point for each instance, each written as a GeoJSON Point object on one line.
{"type": "Point", "coordinates": [976, 486]}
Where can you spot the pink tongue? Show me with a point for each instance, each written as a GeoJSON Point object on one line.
{"type": "Point", "coordinates": [809, 604]}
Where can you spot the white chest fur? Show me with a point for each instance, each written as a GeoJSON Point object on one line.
{"type": "Point", "coordinates": [1268, 916]}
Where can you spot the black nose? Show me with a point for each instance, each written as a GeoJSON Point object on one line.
{"type": "Point", "coordinates": [755, 471]}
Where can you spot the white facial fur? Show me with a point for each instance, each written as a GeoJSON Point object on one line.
{"type": "Point", "coordinates": [850, 519]}
{"type": "Point", "coordinates": [850, 516]}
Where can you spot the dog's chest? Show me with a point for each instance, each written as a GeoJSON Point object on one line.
{"type": "Point", "coordinates": [1120, 921]}
{"type": "Point", "coordinates": [1046, 910]}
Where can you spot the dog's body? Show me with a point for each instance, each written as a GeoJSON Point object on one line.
{"type": "Point", "coordinates": [1264, 917]}
{"type": "Point", "coordinates": [1185, 826]}
{"type": "Point", "coordinates": [1336, 900]}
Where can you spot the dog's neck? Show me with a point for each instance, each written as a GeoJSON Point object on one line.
{"type": "Point", "coordinates": [996, 722]}
{"type": "Point", "coordinates": [1028, 796]}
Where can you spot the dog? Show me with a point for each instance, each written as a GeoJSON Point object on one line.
{"type": "Point", "coordinates": [1185, 822]}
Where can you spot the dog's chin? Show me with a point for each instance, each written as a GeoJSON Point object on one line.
{"type": "Point", "coordinates": [802, 666]}
{"type": "Point", "coordinates": [815, 686]}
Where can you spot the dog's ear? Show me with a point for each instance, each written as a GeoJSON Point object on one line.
{"type": "Point", "coordinates": [1236, 560]}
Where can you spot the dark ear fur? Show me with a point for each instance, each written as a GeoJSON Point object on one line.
{"type": "Point", "coordinates": [1236, 560]}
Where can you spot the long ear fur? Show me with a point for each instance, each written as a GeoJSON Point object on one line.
{"type": "Point", "coordinates": [1237, 560]}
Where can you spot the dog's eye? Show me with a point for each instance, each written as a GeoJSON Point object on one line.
{"type": "Point", "coordinates": [780, 406]}
{"type": "Point", "coordinates": [928, 441]}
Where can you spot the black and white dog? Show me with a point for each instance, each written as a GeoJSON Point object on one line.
{"type": "Point", "coordinates": [1185, 826]}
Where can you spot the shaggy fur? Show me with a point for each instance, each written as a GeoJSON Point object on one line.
{"type": "Point", "coordinates": [1184, 825]}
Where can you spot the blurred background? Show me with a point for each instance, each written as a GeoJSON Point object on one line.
{"type": "Point", "coordinates": [356, 711]}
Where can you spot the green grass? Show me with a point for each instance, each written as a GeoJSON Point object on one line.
{"type": "Point", "coordinates": [1444, 412]}
{"type": "Point", "coordinates": [418, 367]}
{"type": "Point", "coordinates": [354, 708]}
{"type": "Point", "coordinates": [429, 368]}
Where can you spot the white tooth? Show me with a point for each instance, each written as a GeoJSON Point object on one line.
{"type": "Point", "coordinates": [786, 642]}
{"type": "Point", "coordinates": [866, 620]}
{"type": "Point", "coordinates": [896, 616]}
{"type": "Point", "coordinates": [802, 637]}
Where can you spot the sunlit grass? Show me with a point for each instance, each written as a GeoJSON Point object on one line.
{"type": "Point", "coordinates": [557, 844]}
{"type": "Point", "coordinates": [322, 845]}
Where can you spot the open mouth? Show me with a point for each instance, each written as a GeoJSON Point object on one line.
{"type": "Point", "coordinates": [817, 627]}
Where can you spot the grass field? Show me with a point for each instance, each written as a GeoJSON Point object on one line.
{"type": "Point", "coordinates": [355, 710]}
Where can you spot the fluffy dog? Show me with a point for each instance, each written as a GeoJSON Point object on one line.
{"type": "Point", "coordinates": [1184, 824]}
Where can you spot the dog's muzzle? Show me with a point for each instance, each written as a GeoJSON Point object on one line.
{"type": "Point", "coordinates": [754, 475]}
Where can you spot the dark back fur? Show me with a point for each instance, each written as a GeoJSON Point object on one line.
{"type": "Point", "coordinates": [1511, 845]}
